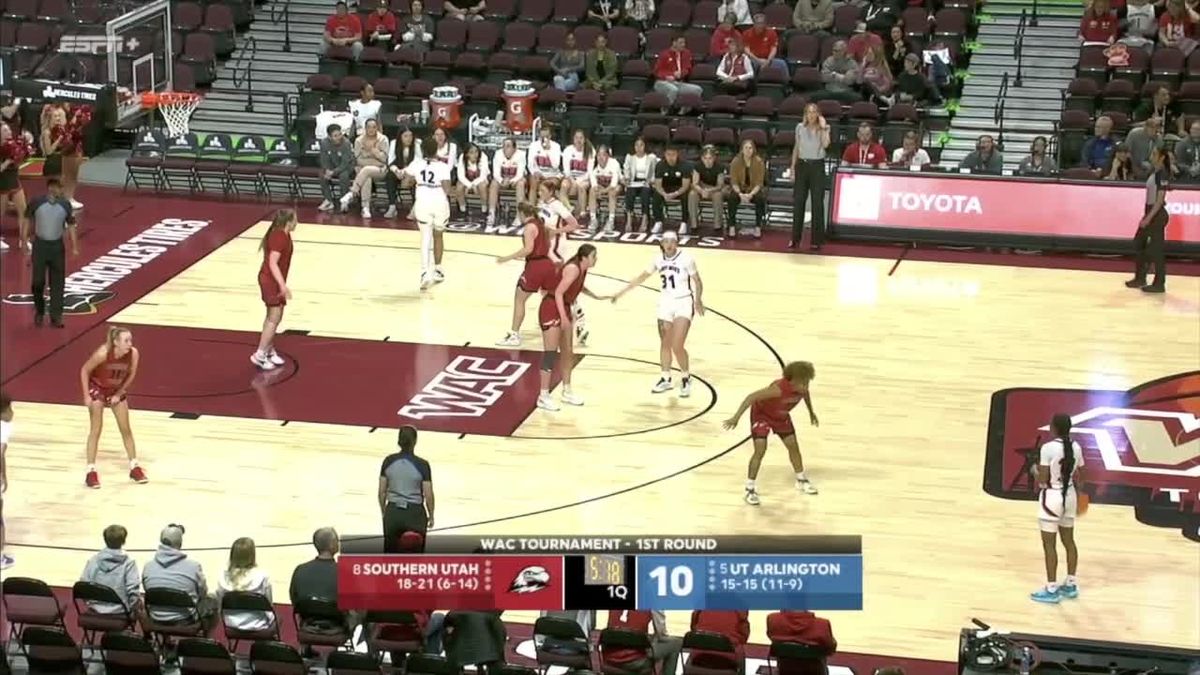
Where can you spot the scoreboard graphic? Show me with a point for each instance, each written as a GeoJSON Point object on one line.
{"type": "Point", "coordinates": [609, 572]}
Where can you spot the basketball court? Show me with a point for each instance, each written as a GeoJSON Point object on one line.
{"type": "Point", "coordinates": [916, 450]}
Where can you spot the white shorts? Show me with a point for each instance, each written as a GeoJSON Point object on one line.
{"type": "Point", "coordinates": [1053, 513]}
{"type": "Point", "coordinates": [670, 309]}
{"type": "Point", "coordinates": [432, 214]}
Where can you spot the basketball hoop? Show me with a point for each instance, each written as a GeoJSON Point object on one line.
{"type": "Point", "coordinates": [176, 108]}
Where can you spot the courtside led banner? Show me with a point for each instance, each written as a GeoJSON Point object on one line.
{"type": "Point", "coordinates": [1026, 208]}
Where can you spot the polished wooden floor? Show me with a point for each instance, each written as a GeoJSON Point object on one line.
{"type": "Point", "coordinates": [906, 367]}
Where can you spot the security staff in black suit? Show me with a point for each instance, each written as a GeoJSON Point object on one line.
{"type": "Point", "coordinates": [672, 183]}
{"type": "Point", "coordinates": [52, 217]}
{"type": "Point", "coordinates": [1149, 243]}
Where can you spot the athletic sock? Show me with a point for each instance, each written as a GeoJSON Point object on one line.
{"type": "Point", "coordinates": [666, 375]}
{"type": "Point", "coordinates": [801, 476]}
{"type": "Point", "coordinates": [750, 485]}
{"type": "Point", "coordinates": [133, 464]}
{"type": "Point", "coordinates": [685, 375]}
{"type": "Point", "coordinates": [1052, 587]}
{"type": "Point", "coordinates": [544, 392]}
{"type": "Point", "coordinates": [1070, 580]}
{"type": "Point", "coordinates": [91, 468]}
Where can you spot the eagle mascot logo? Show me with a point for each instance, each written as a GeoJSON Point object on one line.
{"type": "Point", "coordinates": [530, 580]}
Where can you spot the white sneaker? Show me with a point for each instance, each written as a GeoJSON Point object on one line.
{"type": "Point", "coordinates": [275, 358]}
{"type": "Point", "coordinates": [752, 498]}
{"type": "Point", "coordinates": [806, 487]}
{"type": "Point", "coordinates": [571, 398]}
{"type": "Point", "coordinates": [685, 388]}
{"type": "Point", "coordinates": [657, 229]}
{"type": "Point", "coordinates": [6, 561]}
{"type": "Point", "coordinates": [366, 211]}
{"type": "Point", "coordinates": [510, 340]}
{"type": "Point", "coordinates": [491, 218]}
{"type": "Point", "coordinates": [663, 384]}
{"type": "Point", "coordinates": [3, 245]}
{"type": "Point", "coordinates": [426, 281]}
{"type": "Point", "coordinates": [261, 361]}
{"type": "Point", "coordinates": [76, 204]}
{"type": "Point", "coordinates": [391, 212]}
{"type": "Point", "coordinates": [325, 206]}
{"type": "Point", "coordinates": [546, 403]}
{"type": "Point", "coordinates": [611, 224]}
{"type": "Point", "coordinates": [683, 228]}
{"type": "Point", "coordinates": [438, 275]}
{"type": "Point", "coordinates": [346, 199]}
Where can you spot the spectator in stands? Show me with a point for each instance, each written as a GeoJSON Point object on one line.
{"type": "Point", "coordinates": [876, 77]}
{"type": "Point", "coordinates": [735, 72]}
{"type": "Point", "coordinates": [911, 85]}
{"type": "Point", "coordinates": [1142, 142]}
{"type": "Point", "coordinates": [1140, 24]}
{"type": "Point", "coordinates": [472, 177]}
{"type": "Point", "coordinates": [381, 27]}
{"type": "Point", "coordinates": [1099, 24]}
{"type": "Point", "coordinates": [1177, 27]}
{"type": "Point", "coordinates": [748, 187]}
{"type": "Point", "coordinates": [725, 33]}
{"type": "Point", "coordinates": [664, 647]}
{"type": "Point", "coordinates": [672, 69]}
{"type": "Point", "coordinates": [1166, 110]}
{"type": "Point", "coordinates": [672, 184]}
{"type": "Point", "coordinates": [317, 578]}
{"type": "Point", "coordinates": [985, 158]}
{"type": "Point", "coordinates": [112, 567]}
{"type": "Point", "coordinates": [803, 628]}
{"type": "Point", "coordinates": [708, 185]}
{"type": "Point", "coordinates": [244, 575]}
{"type": "Point", "coordinates": [1098, 149]}
{"type": "Point", "coordinates": [370, 158]}
{"type": "Point", "coordinates": [365, 108]}
{"type": "Point", "coordinates": [475, 639]}
{"type": "Point", "coordinates": [1187, 154]}
{"type": "Point", "coordinates": [466, 12]}
{"type": "Point", "coordinates": [910, 155]}
{"type": "Point", "coordinates": [568, 64]}
{"type": "Point", "coordinates": [343, 29]}
{"type": "Point", "coordinates": [639, 168]}
{"type": "Point", "coordinates": [1120, 166]}
{"type": "Point", "coordinates": [762, 44]}
{"type": "Point", "coordinates": [401, 152]}
{"type": "Point", "coordinates": [734, 625]}
{"type": "Point", "coordinates": [604, 13]}
{"type": "Point", "coordinates": [605, 179]}
{"type": "Point", "coordinates": [813, 16]}
{"type": "Point", "coordinates": [839, 72]}
{"type": "Point", "coordinates": [861, 41]}
{"type": "Point", "coordinates": [740, 9]}
{"type": "Point", "coordinates": [171, 568]}
{"type": "Point", "coordinates": [639, 13]}
{"type": "Point", "coordinates": [337, 166]}
{"type": "Point", "coordinates": [1037, 163]}
{"type": "Point", "coordinates": [865, 152]}
{"type": "Point", "coordinates": [600, 66]}
{"type": "Point", "coordinates": [418, 28]}
{"type": "Point", "coordinates": [896, 49]}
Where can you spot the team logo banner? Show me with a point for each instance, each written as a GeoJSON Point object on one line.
{"type": "Point", "coordinates": [1141, 447]}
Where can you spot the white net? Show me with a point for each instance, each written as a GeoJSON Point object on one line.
{"type": "Point", "coordinates": [176, 111]}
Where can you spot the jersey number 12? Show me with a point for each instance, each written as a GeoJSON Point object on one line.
{"type": "Point", "coordinates": [427, 177]}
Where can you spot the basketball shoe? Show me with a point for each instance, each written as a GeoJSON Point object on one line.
{"type": "Point", "coordinates": [685, 387]}
{"type": "Point", "coordinates": [138, 475]}
{"type": "Point", "coordinates": [545, 402]}
{"type": "Point", "coordinates": [274, 357]}
{"type": "Point", "coordinates": [663, 384]}
{"type": "Point", "coordinates": [1046, 595]}
{"type": "Point", "coordinates": [262, 361]}
{"type": "Point", "coordinates": [752, 497]}
{"type": "Point", "coordinates": [510, 340]}
{"type": "Point", "coordinates": [571, 398]}
{"type": "Point", "coordinates": [92, 480]}
{"type": "Point", "coordinates": [6, 561]}
{"type": "Point", "coordinates": [806, 486]}
{"type": "Point", "coordinates": [1068, 591]}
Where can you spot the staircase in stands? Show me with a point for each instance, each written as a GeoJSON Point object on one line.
{"type": "Point", "coordinates": [1032, 105]}
{"type": "Point", "coordinates": [265, 70]}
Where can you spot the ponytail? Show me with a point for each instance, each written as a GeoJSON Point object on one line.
{"type": "Point", "coordinates": [1061, 424]}
{"type": "Point", "coordinates": [114, 332]}
{"type": "Point", "coordinates": [280, 221]}
{"type": "Point", "coordinates": [407, 438]}
{"type": "Point", "coordinates": [582, 252]}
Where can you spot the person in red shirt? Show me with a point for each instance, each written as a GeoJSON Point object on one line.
{"type": "Point", "coordinates": [664, 647]}
{"type": "Point", "coordinates": [734, 625]}
{"type": "Point", "coordinates": [802, 627]}
{"type": "Point", "coordinates": [725, 32]}
{"type": "Point", "coordinates": [343, 29]}
{"type": "Point", "coordinates": [762, 45]}
{"type": "Point", "coordinates": [1099, 24]}
{"type": "Point", "coordinates": [771, 411]}
{"type": "Point", "coordinates": [381, 27]}
{"type": "Point", "coordinates": [865, 151]}
{"type": "Point", "coordinates": [672, 69]}
{"type": "Point", "coordinates": [862, 41]}
{"type": "Point", "coordinates": [1177, 26]}
{"type": "Point", "coordinates": [276, 250]}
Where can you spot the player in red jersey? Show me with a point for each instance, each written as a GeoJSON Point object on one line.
{"type": "Point", "coordinates": [276, 248]}
{"type": "Point", "coordinates": [770, 411]}
{"type": "Point", "coordinates": [555, 316]}
{"type": "Point", "coordinates": [553, 220]}
{"type": "Point", "coordinates": [106, 378]}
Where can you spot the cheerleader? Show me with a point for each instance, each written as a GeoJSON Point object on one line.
{"type": "Point", "coordinates": [545, 160]}
{"type": "Point", "coordinates": [605, 180]}
{"type": "Point", "coordinates": [62, 143]}
{"type": "Point", "coordinates": [13, 151]}
{"type": "Point", "coordinates": [577, 163]}
{"type": "Point", "coordinates": [473, 178]}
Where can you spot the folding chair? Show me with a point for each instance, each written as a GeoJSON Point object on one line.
{"type": "Point", "coordinates": [276, 658]}
{"type": "Point", "coordinates": [126, 654]}
{"type": "Point", "coordinates": [801, 659]}
{"type": "Point", "coordinates": [88, 597]}
{"type": "Point", "coordinates": [319, 623]}
{"type": "Point", "coordinates": [428, 664]}
{"type": "Point", "coordinates": [563, 644]}
{"type": "Point", "coordinates": [235, 602]}
{"type": "Point", "coordinates": [51, 650]}
{"type": "Point", "coordinates": [349, 663]}
{"type": "Point", "coordinates": [202, 656]}
{"type": "Point", "coordinates": [145, 160]}
{"type": "Point", "coordinates": [709, 654]}
{"type": "Point", "coordinates": [397, 633]}
{"type": "Point", "coordinates": [623, 639]}
{"type": "Point", "coordinates": [169, 600]}
{"type": "Point", "coordinates": [29, 602]}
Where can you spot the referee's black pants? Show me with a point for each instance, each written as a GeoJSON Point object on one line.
{"type": "Point", "coordinates": [1149, 244]}
{"type": "Point", "coordinates": [49, 260]}
{"type": "Point", "coordinates": [397, 521]}
{"type": "Point", "coordinates": [809, 184]}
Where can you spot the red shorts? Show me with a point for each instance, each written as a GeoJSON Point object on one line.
{"type": "Point", "coordinates": [761, 427]}
{"type": "Point", "coordinates": [538, 276]}
{"type": "Point", "coordinates": [102, 394]}
{"type": "Point", "coordinates": [548, 316]}
{"type": "Point", "coordinates": [271, 295]}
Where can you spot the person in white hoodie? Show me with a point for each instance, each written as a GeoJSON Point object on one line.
{"type": "Point", "coordinates": [113, 568]}
{"type": "Point", "coordinates": [243, 574]}
{"type": "Point", "coordinates": [171, 568]}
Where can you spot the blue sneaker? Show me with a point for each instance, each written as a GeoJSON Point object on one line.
{"type": "Point", "coordinates": [1044, 595]}
{"type": "Point", "coordinates": [1070, 592]}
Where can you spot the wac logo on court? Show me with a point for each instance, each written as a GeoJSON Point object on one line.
{"type": "Point", "coordinates": [1141, 447]}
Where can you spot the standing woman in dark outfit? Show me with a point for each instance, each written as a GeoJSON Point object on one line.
{"type": "Point", "coordinates": [1149, 241]}
{"type": "Point", "coordinates": [808, 175]}
{"type": "Point", "coordinates": [405, 492]}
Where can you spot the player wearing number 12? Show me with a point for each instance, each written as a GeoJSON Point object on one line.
{"type": "Point", "coordinates": [431, 209]}
{"type": "Point", "coordinates": [678, 301]}
{"type": "Point", "coordinates": [771, 412]}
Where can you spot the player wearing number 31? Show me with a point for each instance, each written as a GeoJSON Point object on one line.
{"type": "Point", "coordinates": [771, 411]}
{"type": "Point", "coordinates": [431, 209]}
{"type": "Point", "coordinates": [678, 301]}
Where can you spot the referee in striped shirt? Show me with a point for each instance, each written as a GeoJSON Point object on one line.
{"type": "Point", "coordinates": [405, 492]}
{"type": "Point", "coordinates": [52, 217]}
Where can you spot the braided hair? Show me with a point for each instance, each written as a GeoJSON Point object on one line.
{"type": "Point", "coordinates": [1061, 425]}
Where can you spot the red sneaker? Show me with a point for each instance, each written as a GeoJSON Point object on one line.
{"type": "Point", "coordinates": [137, 475]}
{"type": "Point", "coordinates": [92, 480]}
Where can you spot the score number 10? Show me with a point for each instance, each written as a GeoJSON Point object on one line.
{"type": "Point", "coordinates": [671, 582]}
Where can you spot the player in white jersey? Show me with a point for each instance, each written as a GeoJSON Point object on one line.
{"type": "Point", "coordinates": [606, 181]}
{"type": "Point", "coordinates": [680, 298]}
{"type": "Point", "coordinates": [1060, 474]}
{"type": "Point", "coordinates": [6, 416]}
{"type": "Point", "coordinates": [508, 175]}
{"type": "Point", "coordinates": [431, 209]}
{"type": "Point", "coordinates": [578, 159]}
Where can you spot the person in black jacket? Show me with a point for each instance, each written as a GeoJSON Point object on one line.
{"type": "Point", "coordinates": [402, 152]}
{"type": "Point", "coordinates": [1149, 240]}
